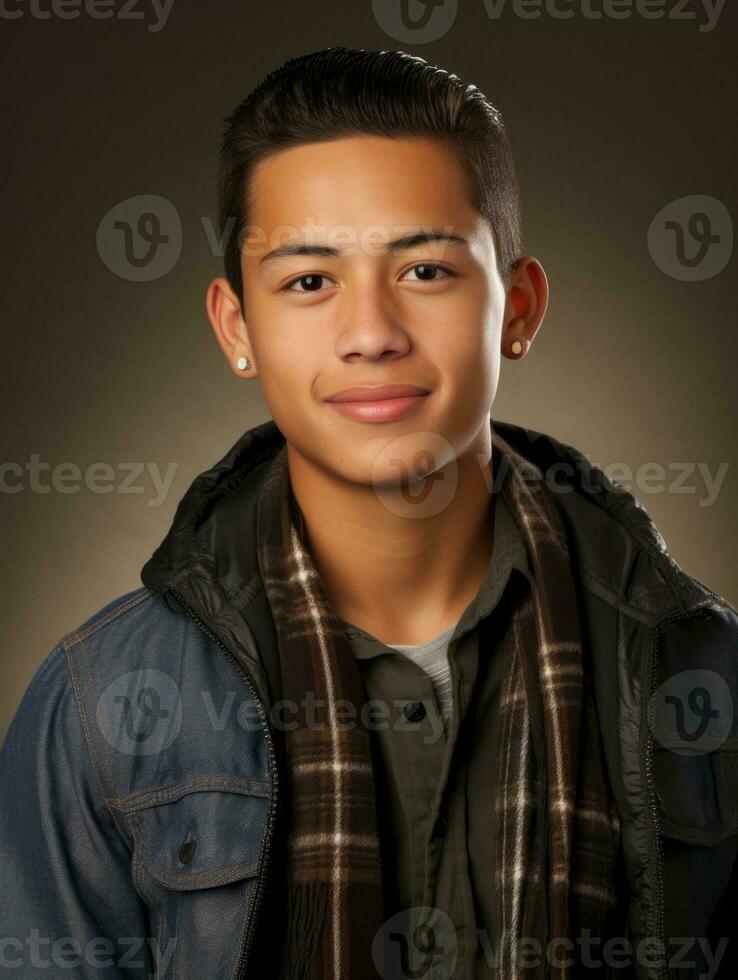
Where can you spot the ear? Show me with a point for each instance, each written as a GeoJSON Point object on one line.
{"type": "Point", "coordinates": [224, 312]}
{"type": "Point", "coordinates": [525, 307]}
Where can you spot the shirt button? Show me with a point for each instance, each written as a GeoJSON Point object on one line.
{"type": "Point", "coordinates": [440, 827]}
{"type": "Point", "coordinates": [187, 850]}
{"type": "Point", "coordinates": [414, 711]}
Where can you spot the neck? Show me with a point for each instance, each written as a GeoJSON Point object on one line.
{"type": "Point", "coordinates": [404, 579]}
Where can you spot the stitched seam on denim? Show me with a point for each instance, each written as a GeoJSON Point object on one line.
{"type": "Point", "coordinates": [224, 875]}
{"type": "Point", "coordinates": [106, 756]}
{"type": "Point", "coordinates": [171, 794]}
{"type": "Point", "coordinates": [88, 737]}
{"type": "Point", "coordinates": [163, 940]}
{"type": "Point", "coordinates": [139, 882]}
{"type": "Point", "coordinates": [176, 957]}
{"type": "Point", "coordinates": [141, 596]}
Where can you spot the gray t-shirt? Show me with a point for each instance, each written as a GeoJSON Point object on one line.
{"type": "Point", "coordinates": [432, 656]}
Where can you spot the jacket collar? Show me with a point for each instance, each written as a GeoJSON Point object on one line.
{"type": "Point", "coordinates": [209, 552]}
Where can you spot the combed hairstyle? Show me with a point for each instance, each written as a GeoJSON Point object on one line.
{"type": "Point", "coordinates": [340, 92]}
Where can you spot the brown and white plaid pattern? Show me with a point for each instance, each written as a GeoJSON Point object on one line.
{"type": "Point", "coordinates": [334, 901]}
{"type": "Point", "coordinates": [558, 827]}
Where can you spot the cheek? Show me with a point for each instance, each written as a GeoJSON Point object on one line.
{"type": "Point", "coordinates": [280, 373]}
{"type": "Point", "coordinates": [288, 372]}
{"type": "Point", "coordinates": [465, 341]}
{"type": "Point", "coordinates": [276, 343]}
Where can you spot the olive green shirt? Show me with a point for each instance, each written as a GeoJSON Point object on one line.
{"type": "Point", "coordinates": [435, 784]}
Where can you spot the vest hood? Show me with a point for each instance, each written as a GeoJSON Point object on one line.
{"type": "Point", "coordinates": [212, 537]}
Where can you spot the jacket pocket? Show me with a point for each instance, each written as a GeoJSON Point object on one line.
{"type": "Point", "coordinates": [196, 857]}
{"type": "Point", "coordinates": [693, 718]}
{"type": "Point", "coordinates": [697, 795]}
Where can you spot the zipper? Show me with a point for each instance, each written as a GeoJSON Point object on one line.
{"type": "Point", "coordinates": [651, 784]}
{"type": "Point", "coordinates": [266, 849]}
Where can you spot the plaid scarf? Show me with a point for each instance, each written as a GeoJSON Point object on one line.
{"type": "Point", "coordinates": [558, 830]}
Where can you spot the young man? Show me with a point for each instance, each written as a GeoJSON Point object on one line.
{"type": "Point", "coordinates": [389, 703]}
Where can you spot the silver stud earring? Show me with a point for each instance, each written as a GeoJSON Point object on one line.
{"type": "Point", "coordinates": [243, 363]}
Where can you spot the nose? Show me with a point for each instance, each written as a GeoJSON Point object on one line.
{"type": "Point", "coordinates": [370, 324]}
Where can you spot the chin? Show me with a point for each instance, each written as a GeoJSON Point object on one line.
{"type": "Point", "coordinates": [405, 459]}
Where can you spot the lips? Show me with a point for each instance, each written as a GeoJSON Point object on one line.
{"type": "Point", "coordinates": [384, 403]}
{"type": "Point", "coordinates": [376, 393]}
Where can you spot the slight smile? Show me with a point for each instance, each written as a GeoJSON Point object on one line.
{"type": "Point", "coordinates": [383, 403]}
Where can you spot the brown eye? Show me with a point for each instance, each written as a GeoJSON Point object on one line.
{"type": "Point", "coordinates": [428, 271]}
{"type": "Point", "coordinates": [311, 283]}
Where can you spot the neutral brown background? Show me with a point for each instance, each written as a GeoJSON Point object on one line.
{"type": "Point", "coordinates": [610, 121]}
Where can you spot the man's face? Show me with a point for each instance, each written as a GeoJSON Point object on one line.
{"type": "Point", "coordinates": [430, 314]}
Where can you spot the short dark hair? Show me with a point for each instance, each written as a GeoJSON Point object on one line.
{"type": "Point", "coordinates": [340, 92]}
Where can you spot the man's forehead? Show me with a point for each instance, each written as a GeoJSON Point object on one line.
{"type": "Point", "coordinates": [393, 182]}
{"type": "Point", "coordinates": [354, 149]}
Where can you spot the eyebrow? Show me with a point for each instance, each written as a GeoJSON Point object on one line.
{"type": "Point", "coordinates": [406, 241]}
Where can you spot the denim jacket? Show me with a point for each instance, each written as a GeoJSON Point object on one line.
{"type": "Point", "coordinates": [142, 777]}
